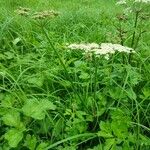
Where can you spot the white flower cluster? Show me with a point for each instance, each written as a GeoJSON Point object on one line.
{"type": "Point", "coordinates": [143, 1]}
{"type": "Point", "coordinates": [103, 49]}
{"type": "Point", "coordinates": [86, 47]}
{"type": "Point", "coordinates": [122, 2]}
{"type": "Point", "coordinates": [109, 48]}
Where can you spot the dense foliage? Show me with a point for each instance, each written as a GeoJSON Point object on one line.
{"type": "Point", "coordinates": [53, 97]}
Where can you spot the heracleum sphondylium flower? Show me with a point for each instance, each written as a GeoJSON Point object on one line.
{"type": "Point", "coordinates": [121, 2]}
{"type": "Point", "coordinates": [143, 1]}
{"type": "Point", "coordinates": [85, 47]}
{"type": "Point", "coordinates": [104, 49]}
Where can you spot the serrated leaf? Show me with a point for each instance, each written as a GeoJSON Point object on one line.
{"type": "Point", "coordinates": [105, 126]}
{"type": "Point", "coordinates": [30, 142]}
{"type": "Point", "coordinates": [36, 109]}
{"type": "Point", "coordinates": [9, 55]}
{"type": "Point", "coordinates": [32, 109]}
{"type": "Point", "coordinates": [42, 146]}
{"type": "Point", "coordinates": [84, 76]}
{"type": "Point", "coordinates": [131, 94]}
{"type": "Point", "coordinates": [105, 134]}
{"type": "Point", "coordinates": [47, 105]}
{"type": "Point", "coordinates": [7, 101]}
{"type": "Point", "coordinates": [36, 81]}
{"type": "Point", "coordinates": [12, 118]}
{"type": "Point", "coordinates": [109, 144]}
{"type": "Point", "coordinates": [13, 136]}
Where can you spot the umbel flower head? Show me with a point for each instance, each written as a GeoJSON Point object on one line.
{"type": "Point", "coordinates": [121, 2]}
{"type": "Point", "coordinates": [143, 1]}
{"type": "Point", "coordinates": [104, 49]}
{"type": "Point", "coordinates": [45, 14]}
{"type": "Point", "coordinates": [22, 11]}
{"type": "Point", "coordinates": [85, 47]}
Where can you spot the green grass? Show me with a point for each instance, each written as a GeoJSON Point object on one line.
{"type": "Point", "coordinates": [55, 98]}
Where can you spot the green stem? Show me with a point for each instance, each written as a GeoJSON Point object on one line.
{"type": "Point", "coordinates": [64, 67]}
{"type": "Point", "coordinates": [134, 33]}
{"type": "Point", "coordinates": [71, 138]}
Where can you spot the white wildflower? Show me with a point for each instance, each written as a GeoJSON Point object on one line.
{"type": "Point", "coordinates": [121, 2]}
{"type": "Point", "coordinates": [120, 48]}
{"type": "Point", "coordinates": [106, 56]}
{"type": "Point", "coordinates": [127, 10]}
{"type": "Point", "coordinates": [142, 1]}
{"type": "Point", "coordinates": [104, 49]}
{"type": "Point", "coordinates": [85, 47]}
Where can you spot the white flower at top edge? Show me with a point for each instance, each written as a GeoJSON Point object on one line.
{"type": "Point", "coordinates": [121, 2]}
{"type": "Point", "coordinates": [142, 1]}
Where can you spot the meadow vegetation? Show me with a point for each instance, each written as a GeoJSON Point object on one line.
{"type": "Point", "coordinates": [74, 75]}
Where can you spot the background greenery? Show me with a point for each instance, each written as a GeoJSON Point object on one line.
{"type": "Point", "coordinates": [92, 105]}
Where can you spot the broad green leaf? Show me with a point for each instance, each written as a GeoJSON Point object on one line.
{"type": "Point", "coordinates": [30, 142]}
{"type": "Point", "coordinates": [7, 101]}
{"type": "Point", "coordinates": [42, 146]}
{"type": "Point", "coordinates": [36, 81]}
{"type": "Point", "coordinates": [13, 136]}
{"type": "Point", "coordinates": [131, 94]}
{"type": "Point", "coordinates": [110, 144]}
{"type": "Point", "coordinates": [12, 118]}
{"type": "Point", "coordinates": [47, 105]}
{"type": "Point", "coordinates": [36, 109]}
{"type": "Point", "coordinates": [145, 140]}
{"type": "Point", "coordinates": [116, 93]}
{"type": "Point", "coordinates": [105, 134]}
{"type": "Point", "coordinates": [9, 55]}
{"type": "Point", "coordinates": [33, 109]}
{"type": "Point", "coordinates": [84, 76]}
{"type": "Point", "coordinates": [105, 126]}
{"type": "Point", "coordinates": [146, 91]}
{"type": "Point", "coordinates": [98, 147]}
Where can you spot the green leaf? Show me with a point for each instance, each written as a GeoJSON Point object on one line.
{"type": "Point", "coordinates": [110, 144]}
{"type": "Point", "coordinates": [144, 140]}
{"type": "Point", "coordinates": [47, 105]}
{"type": "Point", "coordinates": [116, 93]}
{"type": "Point", "coordinates": [105, 126]}
{"type": "Point", "coordinates": [36, 81]}
{"type": "Point", "coordinates": [42, 146]}
{"type": "Point", "coordinates": [7, 100]}
{"type": "Point", "coordinates": [105, 134]}
{"type": "Point", "coordinates": [131, 94]}
{"type": "Point", "coordinates": [84, 76]}
{"type": "Point", "coordinates": [12, 118]}
{"type": "Point", "coordinates": [13, 136]}
{"type": "Point", "coordinates": [16, 41]}
{"type": "Point", "coordinates": [9, 55]}
{"type": "Point", "coordinates": [36, 109]}
{"type": "Point", "coordinates": [30, 142]}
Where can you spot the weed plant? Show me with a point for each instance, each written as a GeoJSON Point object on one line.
{"type": "Point", "coordinates": [53, 97]}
